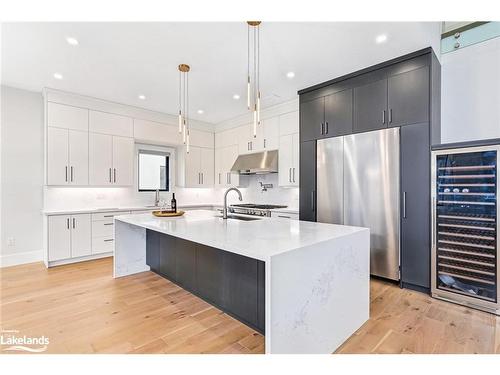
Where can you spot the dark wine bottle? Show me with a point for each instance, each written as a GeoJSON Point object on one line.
{"type": "Point", "coordinates": [173, 203]}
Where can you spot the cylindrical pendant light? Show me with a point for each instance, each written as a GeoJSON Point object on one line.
{"type": "Point", "coordinates": [184, 103]}
{"type": "Point", "coordinates": [253, 72]}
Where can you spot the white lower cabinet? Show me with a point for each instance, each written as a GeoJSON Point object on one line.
{"type": "Point", "coordinates": [288, 167]}
{"type": "Point", "coordinates": [103, 234]}
{"type": "Point", "coordinates": [69, 236]}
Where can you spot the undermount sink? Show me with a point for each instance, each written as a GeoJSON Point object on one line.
{"type": "Point", "coordinates": [244, 218]}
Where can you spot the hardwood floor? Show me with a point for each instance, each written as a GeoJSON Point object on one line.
{"type": "Point", "coordinates": [82, 309]}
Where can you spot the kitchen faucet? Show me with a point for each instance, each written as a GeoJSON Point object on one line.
{"type": "Point", "coordinates": [224, 211]}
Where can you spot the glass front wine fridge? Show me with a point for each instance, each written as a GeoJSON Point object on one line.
{"type": "Point", "coordinates": [465, 226]}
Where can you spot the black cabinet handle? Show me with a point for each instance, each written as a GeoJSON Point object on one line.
{"type": "Point", "coordinates": [322, 128]}
{"type": "Point", "coordinates": [390, 115]}
{"type": "Point", "coordinates": [67, 222]}
{"type": "Point", "coordinates": [326, 127]}
{"type": "Point", "coordinates": [66, 173]}
{"type": "Point", "coordinates": [383, 116]}
{"type": "Point", "coordinates": [73, 223]}
{"type": "Point", "coordinates": [71, 173]}
{"type": "Point", "coordinates": [114, 171]}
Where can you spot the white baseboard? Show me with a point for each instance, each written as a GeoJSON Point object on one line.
{"type": "Point", "coordinates": [21, 258]}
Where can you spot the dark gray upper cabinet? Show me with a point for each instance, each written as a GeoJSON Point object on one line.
{"type": "Point", "coordinates": [370, 106]}
{"type": "Point", "coordinates": [338, 114]}
{"type": "Point", "coordinates": [307, 181]}
{"type": "Point", "coordinates": [312, 119]}
{"type": "Point", "coordinates": [408, 97]}
{"type": "Point", "coordinates": [415, 205]}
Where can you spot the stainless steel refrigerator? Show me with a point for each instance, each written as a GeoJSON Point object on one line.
{"type": "Point", "coordinates": [358, 184]}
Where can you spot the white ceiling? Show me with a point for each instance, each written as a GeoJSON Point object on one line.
{"type": "Point", "coordinates": [119, 61]}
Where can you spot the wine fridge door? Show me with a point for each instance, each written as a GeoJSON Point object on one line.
{"type": "Point", "coordinates": [465, 226]}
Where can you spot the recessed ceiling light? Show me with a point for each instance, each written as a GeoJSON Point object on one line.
{"type": "Point", "coordinates": [290, 75]}
{"type": "Point", "coordinates": [72, 41]}
{"type": "Point", "coordinates": [236, 96]}
{"type": "Point", "coordinates": [142, 97]}
{"type": "Point", "coordinates": [200, 111]}
{"type": "Point", "coordinates": [381, 38]}
{"type": "Point", "coordinates": [58, 76]}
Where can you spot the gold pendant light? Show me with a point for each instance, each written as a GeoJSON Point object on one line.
{"type": "Point", "coordinates": [184, 103]}
{"type": "Point", "coordinates": [253, 72]}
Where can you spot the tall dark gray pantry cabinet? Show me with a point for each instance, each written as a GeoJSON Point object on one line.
{"type": "Point", "coordinates": [404, 93]}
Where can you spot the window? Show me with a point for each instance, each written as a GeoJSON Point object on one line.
{"type": "Point", "coordinates": [153, 170]}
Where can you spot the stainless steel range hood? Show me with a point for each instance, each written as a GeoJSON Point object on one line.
{"type": "Point", "coordinates": [257, 163]}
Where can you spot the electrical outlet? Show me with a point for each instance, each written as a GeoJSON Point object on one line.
{"type": "Point", "coordinates": [11, 241]}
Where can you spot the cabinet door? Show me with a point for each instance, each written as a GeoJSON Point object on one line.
{"type": "Point", "coordinates": [81, 235]}
{"type": "Point", "coordinates": [295, 159]}
{"type": "Point", "coordinates": [231, 156]}
{"type": "Point", "coordinates": [109, 123]}
{"type": "Point", "coordinates": [78, 157]}
{"type": "Point", "coordinates": [185, 263]}
{"type": "Point", "coordinates": [338, 113]}
{"type": "Point", "coordinates": [307, 191]}
{"type": "Point", "coordinates": [370, 106]}
{"type": "Point", "coordinates": [289, 123]}
{"type": "Point", "coordinates": [168, 256]}
{"type": "Point", "coordinates": [192, 167]}
{"type": "Point", "coordinates": [57, 156]}
{"type": "Point", "coordinates": [285, 164]}
{"type": "Point", "coordinates": [270, 134]}
{"type": "Point", "coordinates": [219, 167]}
{"type": "Point", "coordinates": [67, 117]}
{"type": "Point", "coordinates": [59, 237]}
{"type": "Point", "coordinates": [209, 273]}
{"type": "Point", "coordinates": [100, 159]}
{"type": "Point", "coordinates": [312, 118]}
{"type": "Point", "coordinates": [408, 95]}
{"type": "Point", "coordinates": [240, 286]}
{"type": "Point", "coordinates": [123, 161]}
{"type": "Point", "coordinates": [415, 205]}
{"type": "Point", "coordinates": [153, 250]}
{"type": "Point", "coordinates": [245, 136]}
{"type": "Point", "coordinates": [207, 167]}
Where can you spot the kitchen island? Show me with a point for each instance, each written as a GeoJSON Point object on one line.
{"type": "Point", "coordinates": [305, 284]}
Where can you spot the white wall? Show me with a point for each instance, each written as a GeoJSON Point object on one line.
{"type": "Point", "coordinates": [21, 176]}
{"type": "Point", "coordinates": [470, 99]}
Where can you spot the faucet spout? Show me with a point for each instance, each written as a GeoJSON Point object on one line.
{"type": "Point", "coordinates": [240, 197]}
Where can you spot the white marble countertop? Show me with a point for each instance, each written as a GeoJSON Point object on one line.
{"type": "Point", "coordinates": [120, 208]}
{"type": "Point", "coordinates": [258, 239]}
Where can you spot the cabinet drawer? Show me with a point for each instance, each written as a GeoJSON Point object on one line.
{"type": "Point", "coordinates": [102, 245]}
{"type": "Point", "coordinates": [285, 215]}
{"type": "Point", "coordinates": [107, 215]}
{"type": "Point", "coordinates": [102, 228]}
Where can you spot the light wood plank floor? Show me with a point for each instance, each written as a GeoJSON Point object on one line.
{"type": "Point", "coordinates": [82, 309]}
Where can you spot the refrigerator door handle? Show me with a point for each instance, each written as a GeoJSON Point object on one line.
{"type": "Point", "coordinates": [404, 204]}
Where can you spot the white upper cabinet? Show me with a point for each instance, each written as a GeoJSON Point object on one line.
{"type": "Point", "coordinates": [289, 123]}
{"type": "Point", "coordinates": [224, 160]}
{"type": "Point", "coordinates": [247, 143]}
{"type": "Point", "coordinates": [149, 131]}
{"type": "Point", "coordinates": [67, 117]}
{"type": "Point", "coordinates": [196, 168]}
{"type": "Point", "coordinates": [199, 138]}
{"type": "Point", "coordinates": [123, 161]}
{"type": "Point", "coordinates": [270, 134]}
{"type": "Point", "coordinates": [67, 157]}
{"type": "Point", "coordinates": [100, 159]}
{"type": "Point", "coordinates": [226, 138]}
{"type": "Point", "coordinates": [288, 161]}
{"type": "Point", "coordinates": [78, 157]}
{"type": "Point", "coordinates": [111, 160]}
{"type": "Point", "coordinates": [108, 123]}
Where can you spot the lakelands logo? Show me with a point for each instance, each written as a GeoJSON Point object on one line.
{"type": "Point", "coordinates": [10, 340]}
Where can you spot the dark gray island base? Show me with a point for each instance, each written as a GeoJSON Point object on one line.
{"type": "Point", "coordinates": [231, 282]}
